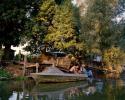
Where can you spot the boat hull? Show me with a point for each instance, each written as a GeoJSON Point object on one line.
{"type": "Point", "coordinates": [57, 78]}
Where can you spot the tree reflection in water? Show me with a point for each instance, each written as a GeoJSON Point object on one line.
{"type": "Point", "coordinates": [97, 90]}
{"type": "Point", "coordinates": [5, 93]}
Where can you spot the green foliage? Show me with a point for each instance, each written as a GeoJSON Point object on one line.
{"type": "Point", "coordinates": [29, 58]}
{"type": "Point", "coordinates": [21, 78]}
{"type": "Point", "coordinates": [4, 93]}
{"type": "Point", "coordinates": [13, 18]}
{"type": "Point", "coordinates": [55, 24]}
{"type": "Point", "coordinates": [11, 21]}
{"type": "Point", "coordinates": [5, 74]}
{"type": "Point", "coordinates": [59, 2]}
{"type": "Point", "coordinates": [121, 31]}
{"type": "Point", "coordinates": [17, 57]}
{"type": "Point", "coordinates": [63, 33]}
{"type": "Point", "coordinates": [114, 57]}
{"type": "Point", "coordinates": [98, 31]}
{"type": "Point", "coordinates": [39, 25]}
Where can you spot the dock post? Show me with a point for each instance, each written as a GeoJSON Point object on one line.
{"type": "Point", "coordinates": [24, 67]}
{"type": "Point", "coordinates": [37, 66]}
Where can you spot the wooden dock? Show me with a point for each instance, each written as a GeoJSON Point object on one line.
{"type": "Point", "coordinates": [103, 70]}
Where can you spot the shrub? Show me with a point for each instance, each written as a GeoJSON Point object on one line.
{"type": "Point", "coordinates": [114, 57]}
{"type": "Point", "coordinates": [5, 74]}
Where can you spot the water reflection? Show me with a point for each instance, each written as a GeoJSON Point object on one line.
{"type": "Point", "coordinates": [96, 89]}
{"type": "Point", "coordinates": [60, 91]}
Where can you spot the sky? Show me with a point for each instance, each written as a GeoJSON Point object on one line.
{"type": "Point", "coordinates": [74, 1]}
{"type": "Point", "coordinates": [20, 49]}
{"type": "Point", "coordinates": [120, 17]}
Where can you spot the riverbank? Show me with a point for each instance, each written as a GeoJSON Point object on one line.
{"type": "Point", "coordinates": [5, 75]}
{"type": "Point", "coordinates": [15, 72]}
{"type": "Point", "coordinates": [11, 72]}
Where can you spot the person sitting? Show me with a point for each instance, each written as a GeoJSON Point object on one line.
{"type": "Point", "coordinates": [75, 69]}
{"type": "Point", "coordinates": [72, 69]}
{"type": "Point", "coordinates": [78, 69]}
{"type": "Point", "coordinates": [82, 69]}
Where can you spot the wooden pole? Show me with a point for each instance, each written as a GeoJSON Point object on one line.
{"type": "Point", "coordinates": [24, 67]}
{"type": "Point", "coordinates": [37, 66]}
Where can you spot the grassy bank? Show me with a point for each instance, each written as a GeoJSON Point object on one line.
{"type": "Point", "coordinates": [5, 75]}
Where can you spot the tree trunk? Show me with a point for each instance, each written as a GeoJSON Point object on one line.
{"type": "Point", "coordinates": [8, 53]}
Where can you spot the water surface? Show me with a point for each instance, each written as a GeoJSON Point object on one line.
{"type": "Point", "coordinates": [97, 89]}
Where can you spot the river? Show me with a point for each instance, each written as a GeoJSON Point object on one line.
{"type": "Point", "coordinates": [97, 89]}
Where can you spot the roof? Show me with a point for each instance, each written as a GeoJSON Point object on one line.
{"type": "Point", "coordinates": [58, 54]}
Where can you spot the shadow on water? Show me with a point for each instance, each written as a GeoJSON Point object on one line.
{"type": "Point", "coordinates": [110, 89]}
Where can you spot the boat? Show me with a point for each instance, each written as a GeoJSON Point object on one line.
{"type": "Point", "coordinates": [55, 75]}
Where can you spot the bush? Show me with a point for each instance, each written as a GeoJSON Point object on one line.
{"type": "Point", "coordinates": [5, 74]}
{"type": "Point", "coordinates": [114, 57]}
{"type": "Point", "coordinates": [21, 78]}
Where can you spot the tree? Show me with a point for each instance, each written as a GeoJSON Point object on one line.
{"type": "Point", "coordinates": [63, 33]}
{"type": "Point", "coordinates": [12, 22]}
{"type": "Point", "coordinates": [120, 11]}
{"type": "Point", "coordinates": [120, 23]}
{"type": "Point", "coordinates": [97, 30]}
{"type": "Point", "coordinates": [52, 27]}
{"type": "Point", "coordinates": [114, 57]}
{"type": "Point", "coordinates": [58, 2]}
{"type": "Point", "coordinates": [39, 25]}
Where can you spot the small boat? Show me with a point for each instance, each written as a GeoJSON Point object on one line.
{"type": "Point", "coordinates": [54, 75]}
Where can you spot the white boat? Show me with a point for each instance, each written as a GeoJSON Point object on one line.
{"type": "Point", "coordinates": [54, 75]}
